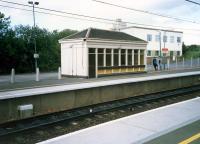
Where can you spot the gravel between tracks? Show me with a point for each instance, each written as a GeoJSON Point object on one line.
{"type": "Point", "coordinates": [47, 132]}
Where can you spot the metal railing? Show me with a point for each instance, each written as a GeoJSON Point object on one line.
{"type": "Point", "coordinates": [177, 63]}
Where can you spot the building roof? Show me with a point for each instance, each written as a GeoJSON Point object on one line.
{"type": "Point", "coordinates": [92, 33]}
{"type": "Point", "coordinates": [148, 28]}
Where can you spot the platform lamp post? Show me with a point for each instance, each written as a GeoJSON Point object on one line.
{"type": "Point", "coordinates": [36, 55]}
{"type": "Point", "coordinates": [160, 42]}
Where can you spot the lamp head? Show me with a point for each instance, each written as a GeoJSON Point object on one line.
{"type": "Point", "coordinates": [30, 2]}
{"type": "Point", "coordinates": [36, 3]}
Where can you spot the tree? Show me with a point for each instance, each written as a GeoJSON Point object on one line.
{"type": "Point", "coordinates": [4, 24]}
{"type": "Point", "coordinates": [6, 38]}
{"type": "Point", "coordinates": [17, 47]}
{"type": "Point", "coordinates": [184, 48]}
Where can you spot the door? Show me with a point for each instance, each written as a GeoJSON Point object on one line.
{"type": "Point", "coordinates": [92, 62]}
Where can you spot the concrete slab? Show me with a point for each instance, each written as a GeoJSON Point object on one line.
{"type": "Point", "coordinates": [138, 128]}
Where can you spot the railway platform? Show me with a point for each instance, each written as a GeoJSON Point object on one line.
{"type": "Point", "coordinates": [26, 81]}
{"type": "Point", "coordinates": [176, 123]}
{"type": "Point", "coordinates": [30, 101]}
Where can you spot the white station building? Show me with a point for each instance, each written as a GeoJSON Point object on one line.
{"type": "Point", "coordinates": [167, 43]}
{"type": "Point", "coordinates": [94, 52]}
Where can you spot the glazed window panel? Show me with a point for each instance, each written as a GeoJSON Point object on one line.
{"type": "Point", "coordinates": [123, 57]}
{"type": "Point", "coordinates": [91, 50]}
{"type": "Point", "coordinates": [100, 50]}
{"type": "Point", "coordinates": [149, 37]}
{"type": "Point", "coordinates": [116, 51]}
{"type": "Point", "coordinates": [108, 51]}
{"type": "Point", "coordinates": [123, 51]}
{"type": "Point", "coordinates": [148, 53]}
{"type": "Point", "coordinates": [156, 53]}
{"type": "Point", "coordinates": [116, 57]}
{"type": "Point", "coordinates": [178, 39]}
{"type": "Point", "coordinates": [141, 57]}
{"type": "Point", "coordinates": [178, 53]}
{"type": "Point", "coordinates": [129, 57]}
{"type": "Point", "coordinates": [135, 57]}
{"type": "Point", "coordinates": [100, 59]}
{"type": "Point", "coordinates": [108, 57]}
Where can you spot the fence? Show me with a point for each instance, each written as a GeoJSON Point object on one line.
{"type": "Point", "coordinates": [177, 63]}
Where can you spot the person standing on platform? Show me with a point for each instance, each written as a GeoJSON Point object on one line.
{"type": "Point", "coordinates": [160, 64]}
{"type": "Point", "coordinates": [155, 64]}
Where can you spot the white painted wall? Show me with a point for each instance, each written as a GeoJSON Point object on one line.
{"type": "Point", "coordinates": [74, 54]}
{"type": "Point", "coordinates": [74, 58]}
{"type": "Point", "coordinates": [155, 45]}
{"type": "Point", "coordinates": [115, 44]}
{"type": "Point", "coordinates": [66, 59]}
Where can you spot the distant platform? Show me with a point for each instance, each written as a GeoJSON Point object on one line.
{"type": "Point", "coordinates": [89, 84]}
{"type": "Point", "coordinates": [26, 81]}
{"type": "Point", "coordinates": [146, 127]}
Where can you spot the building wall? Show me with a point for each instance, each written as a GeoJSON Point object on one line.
{"type": "Point", "coordinates": [153, 45]}
{"type": "Point", "coordinates": [74, 58]}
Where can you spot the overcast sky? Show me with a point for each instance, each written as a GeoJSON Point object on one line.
{"type": "Point", "coordinates": [175, 8]}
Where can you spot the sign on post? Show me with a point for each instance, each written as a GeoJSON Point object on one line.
{"type": "Point", "coordinates": [164, 50]}
{"type": "Point", "coordinates": [36, 55]}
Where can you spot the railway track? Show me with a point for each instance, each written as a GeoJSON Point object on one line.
{"type": "Point", "coordinates": [27, 124]}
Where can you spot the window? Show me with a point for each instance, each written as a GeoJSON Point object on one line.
{"type": "Point", "coordinates": [141, 57]}
{"type": "Point", "coordinates": [178, 39]}
{"type": "Point", "coordinates": [171, 39]}
{"type": "Point", "coordinates": [100, 57]}
{"type": "Point", "coordinates": [135, 57]}
{"type": "Point", "coordinates": [108, 57]}
{"type": "Point", "coordinates": [148, 53]}
{"type": "Point", "coordinates": [164, 38]}
{"type": "Point", "coordinates": [157, 38]}
{"type": "Point", "coordinates": [149, 37]}
{"type": "Point", "coordinates": [129, 57]}
{"type": "Point", "coordinates": [100, 50]}
{"type": "Point", "coordinates": [178, 53]}
{"type": "Point", "coordinates": [92, 50]}
{"type": "Point", "coordinates": [116, 57]}
{"type": "Point", "coordinates": [157, 53]}
{"type": "Point", "coordinates": [171, 53]}
{"type": "Point", "coordinates": [123, 57]}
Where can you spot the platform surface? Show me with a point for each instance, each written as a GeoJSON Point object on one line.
{"type": "Point", "coordinates": [88, 84]}
{"type": "Point", "coordinates": [184, 135]}
{"type": "Point", "coordinates": [26, 81]}
{"type": "Point", "coordinates": [140, 128]}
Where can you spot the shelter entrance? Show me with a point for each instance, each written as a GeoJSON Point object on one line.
{"type": "Point", "coordinates": [92, 63]}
